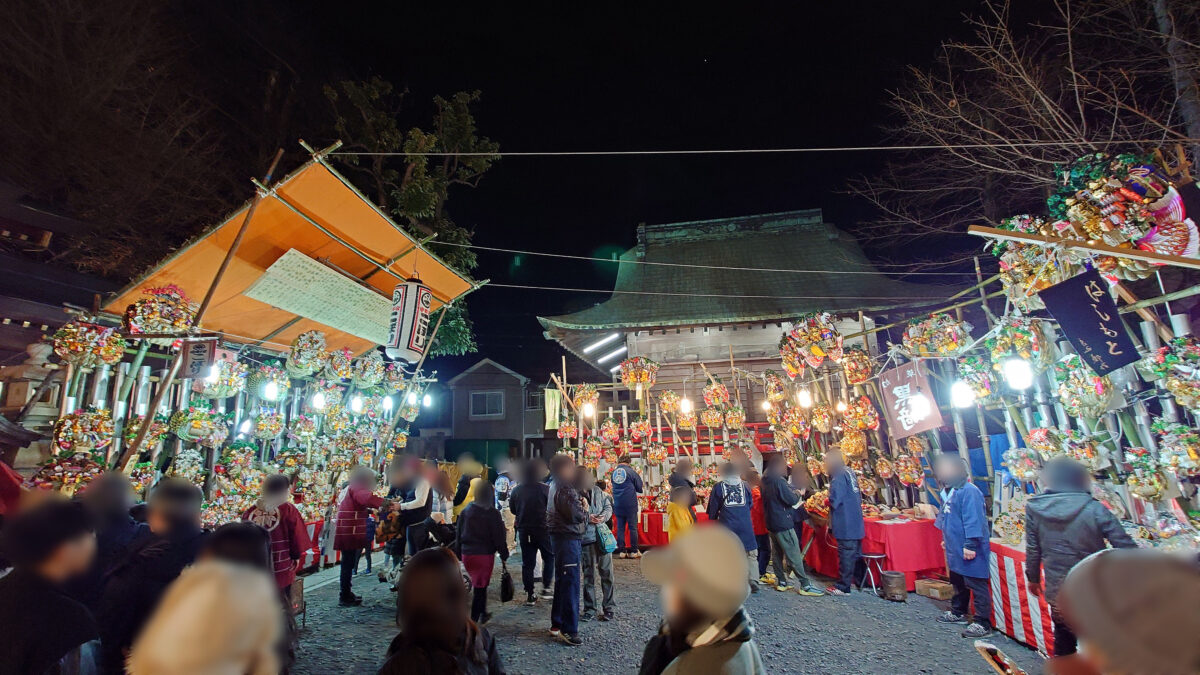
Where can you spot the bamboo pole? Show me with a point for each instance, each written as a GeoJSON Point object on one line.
{"type": "Point", "coordinates": [131, 450]}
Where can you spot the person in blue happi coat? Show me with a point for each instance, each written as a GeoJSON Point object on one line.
{"type": "Point", "coordinates": [729, 504]}
{"type": "Point", "coordinates": [845, 520]}
{"type": "Point", "coordinates": [626, 486]}
{"type": "Point", "coordinates": [965, 536]}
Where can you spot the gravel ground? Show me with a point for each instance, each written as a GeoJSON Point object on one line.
{"type": "Point", "coordinates": [855, 634]}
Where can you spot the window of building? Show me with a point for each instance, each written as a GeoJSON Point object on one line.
{"type": "Point", "coordinates": [487, 404]}
{"type": "Point", "coordinates": [535, 399]}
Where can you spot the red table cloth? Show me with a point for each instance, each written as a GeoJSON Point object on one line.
{"type": "Point", "coordinates": [913, 547]}
{"type": "Point", "coordinates": [652, 527]}
{"type": "Point", "coordinates": [1016, 612]}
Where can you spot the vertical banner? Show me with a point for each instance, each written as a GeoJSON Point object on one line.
{"type": "Point", "coordinates": [408, 326]}
{"type": "Point", "coordinates": [198, 359]}
{"type": "Point", "coordinates": [552, 401]}
{"type": "Point", "coordinates": [899, 386]}
{"type": "Point", "coordinates": [1088, 316]}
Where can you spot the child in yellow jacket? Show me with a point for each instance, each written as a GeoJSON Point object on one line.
{"type": "Point", "coordinates": [680, 516]}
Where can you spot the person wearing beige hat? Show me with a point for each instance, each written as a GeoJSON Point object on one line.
{"type": "Point", "coordinates": [706, 630]}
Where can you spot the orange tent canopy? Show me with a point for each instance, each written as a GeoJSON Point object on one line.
{"type": "Point", "coordinates": [358, 240]}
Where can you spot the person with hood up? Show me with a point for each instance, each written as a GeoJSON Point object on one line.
{"type": "Point", "coordinates": [222, 614]}
{"type": "Point", "coordinates": [1064, 525]}
{"type": "Point", "coordinates": [529, 502]}
{"type": "Point", "coordinates": [480, 538]}
{"type": "Point", "coordinates": [593, 557]}
{"type": "Point", "coordinates": [706, 630]}
{"type": "Point", "coordinates": [566, 519]}
{"type": "Point", "coordinates": [135, 586]}
{"type": "Point", "coordinates": [966, 538]}
{"type": "Point", "coordinates": [108, 500]}
{"type": "Point", "coordinates": [626, 486]}
{"type": "Point", "coordinates": [779, 503]}
{"type": "Point", "coordinates": [437, 635]}
{"type": "Point", "coordinates": [350, 528]}
{"type": "Point", "coordinates": [275, 514]}
{"type": "Point", "coordinates": [44, 629]}
{"type": "Point", "coordinates": [845, 520]}
{"type": "Point", "coordinates": [470, 472]}
{"type": "Point", "coordinates": [730, 504]}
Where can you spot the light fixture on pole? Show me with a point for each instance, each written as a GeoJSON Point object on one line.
{"type": "Point", "coordinates": [356, 404]}
{"type": "Point", "coordinates": [318, 401]}
{"type": "Point", "coordinates": [919, 405]}
{"type": "Point", "coordinates": [1018, 373]}
{"type": "Point", "coordinates": [589, 410]}
{"type": "Point", "coordinates": [766, 405]}
{"type": "Point", "coordinates": [426, 400]}
{"type": "Point", "coordinates": [388, 403]}
{"type": "Point", "coordinates": [962, 395]}
{"type": "Point", "coordinates": [804, 398]}
{"type": "Point", "coordinates": [841, 406]}
{"type": "Point", "coordinates": [271, 391]}
{"type": "Point", "coordinates": [685, 405]}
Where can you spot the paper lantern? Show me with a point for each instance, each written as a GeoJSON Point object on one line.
{"type": "Point", "coordinates": [408, 326]}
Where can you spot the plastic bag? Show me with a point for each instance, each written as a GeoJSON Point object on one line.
{"type": "Point", "coordinates": [606, 538]}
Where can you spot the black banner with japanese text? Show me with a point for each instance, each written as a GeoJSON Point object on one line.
{"type": "Point", "coordinates": [1085, 310]}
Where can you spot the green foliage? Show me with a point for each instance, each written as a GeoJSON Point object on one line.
{"type": "Point", "coordinates": [412, 186]}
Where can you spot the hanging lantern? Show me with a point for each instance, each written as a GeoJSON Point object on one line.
{"type": "Point", "coordinates": [567, 428]}
{"type": "Point", "coordinates": [716, 394]}
{"type": "Point", "coordinates": [638, 373]}
{"type": "Point", "coordinates": [669, 401]}
{"type": "Point", "coordinates": [775, 386]}
{"type": "Point", "coordinates": [308, 354]}
{"type": "Point", "coordinates": [87, 430]}
{"type": "Point", "coordinates": [712, 417]}
{"type": "Point", "coordinates": [227, 378]}
{"type": "Point", "coordinates": [408, 327]}
{"type": "Point", "coordinates": [735, 417]}
{"type": "Point", "coordinates": [640, 428]}
{"type": "Point", "coordinates": [164, 310]}
{"type": "Point", "coordinates": [340, 365]}
{"type": "Point", "coordinates": [368, 370]}
{"type": "Point", "coordinates": [854, 445]}
{"type": "Point", "coordinates": [87, 345]}
{"type": "Point", "coordinates": [856, 364]}
{"type": "Point", "coordinates": [610, 430]}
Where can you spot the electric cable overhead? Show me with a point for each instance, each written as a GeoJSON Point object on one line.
{"type": "Point", "coordinates": [713, 295]}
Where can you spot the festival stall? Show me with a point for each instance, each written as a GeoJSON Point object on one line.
{"type": "Point", "coordinates": [304, 356]}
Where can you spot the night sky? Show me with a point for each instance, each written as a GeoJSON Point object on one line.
{"type": "Point", "coordinates": [642, 76]}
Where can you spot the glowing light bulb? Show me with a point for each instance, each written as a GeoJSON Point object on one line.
{"type": "Point", "coordinates": [841, 406]}
{"type": "Point", "coordinates": [919, 406]}
{"type": "Point", "coordinates": [766, 405]}
{"type": "Point", "coordinates": [427, 400]}
{"type": "Point", "coordinates": [318, 401]}
{"type": "Point", "coordinates": [961, 394]}
{"type": "Point", "coordinates": [271, 391]}
{"type": "Point", "coordinates": [356, 405]}
{"type": "Point", "coordinates": [245, 426]}
{"type": "Point", "coordinates": [804, 398]}
{"type": "Point", "coordinates": [388, 403]}
{"type": "Point", "coordinates": [1018, 373]}
{"type": "Point", "coordinates": [685, 405]}
{"type": "Point", "coordinates": [588, 410]}
{"type": "Point", "coordinates": [411, 398]}
{"type": "Point", "coordinates": [214, 373]}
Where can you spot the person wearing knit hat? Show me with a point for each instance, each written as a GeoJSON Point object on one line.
{"type": "Point", "coordinates": [706, 629]}
{"type": "Point", "coordinates": [1134, 611]}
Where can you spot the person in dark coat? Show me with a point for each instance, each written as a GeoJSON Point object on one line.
{"type": "Point", "coordinates": [681, 476]}
{"type": "Point", "coordinates": [480, 537]}
{"type": "Point", "coordinates": [779, 504]}
{"type": "Point", "coordinates": [966, 538]}
{"type": "Point", "coordinates": [45, 630]}
{"type": "Point", "coordinates": [283, 522]}
{"type": "Point", "coordinates": [438, 637]}
{"type": "Point", "coordinates": [108, 499]}
{"type": "Point", "coordinates": [350, 528]}
{"type": "Point", "coordinates": [135, 585]}
{"type": "Point", "coordinates": [566, 520]}
{"type": "Point", "coordinates": [626, 486]}
{"type": "Point", "coordinates": [730, 504]}
{"type": "Point", "coordinates": [528, 502]}
{"type": "Point", "coordinates": [845, 519]}
{"type": "Point", "coordinates": [1064, 525]}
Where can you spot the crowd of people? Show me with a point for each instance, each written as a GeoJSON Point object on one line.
{"type": "Point", "coordinates": [90, 588]}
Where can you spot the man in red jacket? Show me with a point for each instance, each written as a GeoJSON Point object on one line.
{"type": "Point", "coordinates": [282, 520]}
{"type": "Point", "coordinates": [350, 527]}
